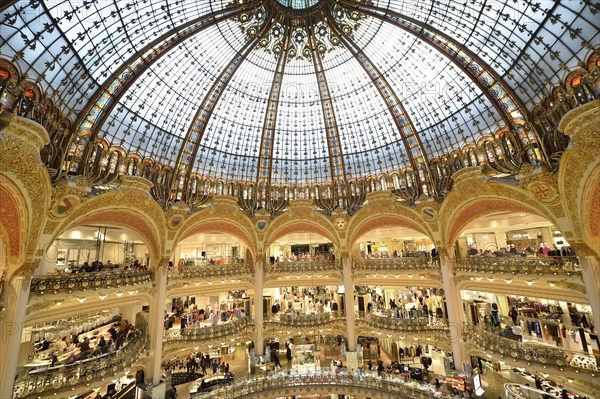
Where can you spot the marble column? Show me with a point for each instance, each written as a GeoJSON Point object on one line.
{"type": "Point", "coordinates": [349, 302]}
{"type": "Point", "coordinates": [11, 330]}
{"type": "Point", "coordinates": [590, 273]}
{"type": "Point", "coordinates": [156, 324]}
{"type": "Point", "coordinates": [455, 314]}
{"type": "Point", "coordinates": [259, 277]}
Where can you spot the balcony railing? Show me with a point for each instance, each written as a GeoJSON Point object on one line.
{"type": "Point", "coordinates": [549, 356]}
{"type": "Point", "coordinates": [397, 265]}
{"type": "Point", "coordinates": [304, 266]}
{"type": "Point", "coordinates": [404, 325]}
{"type": "Point", "coordinates": [211, 271]}
{"type": "Point", "coordinates": [46, 381]}
{"type": "Point", "coordinates": [234, 327]}
{"type": "Point", "coordinates": [323, 381]}
{"type": "Point", "coordinates": [89, 281]}
{"type": "Point", "coordinates": [541, 265]}
{"type": "Point", "coordinates": [305, 320]}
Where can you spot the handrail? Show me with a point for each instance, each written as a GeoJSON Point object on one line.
{"type": "Point", "coordinates": [233, 327]}
{"type": "Point", "coordinates": [396, 265]}
{"type": "Point", "coordinates": [89, 280]}
{"type": "Point", "coordinates": [397, 324]}
{"type": "Point", "coordinates": [324, 378]}
{"type": "Point", "coordinates": [210, 271]}
{"type": "Point", "coordinates": [304, 266]}
{"type": "Point", "coordinates": [305, 320]}
{"type": "Point", "coordinates": [52, 379]}
{"type": "Point", "coordinates": [550, 356]}
{"type": "Point", "coordinates": [518, 391]}
{"type": "Point", "coordinates": [564, 265]}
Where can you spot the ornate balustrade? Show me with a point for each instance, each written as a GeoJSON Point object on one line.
{"type": "Point", "coordinates": [210, 271]}
{"type": "Point", "coordinates": [305, 320]}
{"type": "Point", "coordinates": [397, 265]}
{"type": "Point", "coordinates": [323, 381]}
{"type": "Point", "coordinates": [404, 325]}
{"type": "Point", "coordinates": [541, 265]}
{"type": "Point", "coordinates": [541, 354]}
{"type": "Point", "coordinates": [46, 381]}
{"type": "Point", "coordinates": [89, 281]}
{"type": "Point", "coordinates": [304, 266]}
{"type": "Point", "coordinates": [234, 327]}
{"type": "Point", "coordinates": [518, 391]}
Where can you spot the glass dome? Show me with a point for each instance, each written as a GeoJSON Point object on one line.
{"type": "Point", "coordinates": [298, 4]}
{"type": "Point", "coordinates": [258, 92]}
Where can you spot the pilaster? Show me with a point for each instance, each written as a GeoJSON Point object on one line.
{"type": "Point", "coordinates": [12, 326]}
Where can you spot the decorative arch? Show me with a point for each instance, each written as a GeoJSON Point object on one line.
{"type": "Point", "coordinates": [14, 221]}
{"type": "Point", "coordinates": [473, 210]}
{"type": "Point", "coordinates": [224, 216]}
{"type": "Point", "coordinates": [130, 208]}
{"type": "Point", "coordinates": [385, 220]}
{"type": "Point", "coordinates": [300, 219]}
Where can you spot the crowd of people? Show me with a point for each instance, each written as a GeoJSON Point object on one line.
{"type": "Point", "coordinates": [84, 346]}
{"type": "Point", "coordinates": [99, 266]}
{"type": "Point", "coordinates": [512, 250]}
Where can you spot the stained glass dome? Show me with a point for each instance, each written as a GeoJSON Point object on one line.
{"type": "Point", "coordinates": [301, 92]}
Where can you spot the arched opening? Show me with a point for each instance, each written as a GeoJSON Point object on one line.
{"type": "Point", "coordinates": [95, 248]}
{"type": "Point", "coordinates": [210, 247]}
{"type": "Point", "coordinates": [511, 233]}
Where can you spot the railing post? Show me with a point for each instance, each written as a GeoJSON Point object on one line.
{"type": "Point", "coordinates": [453, 309]}
{"type": "Point", "coordinates": [11, 328]}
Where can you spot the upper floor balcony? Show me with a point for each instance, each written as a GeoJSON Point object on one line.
{"type": "Point", "coordinates": [83, 281]}
{"type": "Point", "coordinates": [530, 265]}
{"type": "Point", "coordinates": [394, 324]}
{"type": "Point", "coordinates": [41, 379]}
{"type": "Point", "coordinates": [321, 381]}
{"type": "Point", "coordinates": [305, 266]}
{"type": "Point", "coordinates": [305, 320]}
{"type": "Point", "coordinates": [404, 267]}
{"type": "Point", "coordinates": [535, 353]}
{"type": "Point", "coordinates": [207, 270]}
{"type": "Point", "coordinates": [232, 328]}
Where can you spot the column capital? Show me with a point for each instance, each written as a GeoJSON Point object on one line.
{"type": "Point", "coordinates": [27, 269]}
{"type": "Point", "coordinates": [582, 249]}
{"type": "Point", "coordinates": [164, 261]}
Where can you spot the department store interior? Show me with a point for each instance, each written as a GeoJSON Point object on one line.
{"type": "Point", "coordinates": [339, 199]}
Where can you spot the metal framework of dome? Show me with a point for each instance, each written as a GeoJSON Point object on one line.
{"type": "Point", "coordinates": [276, 100]}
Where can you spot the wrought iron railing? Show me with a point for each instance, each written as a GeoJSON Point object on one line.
{"type": "Point", "coordinates": [304, 266]}
{"type": "Point", "coordinates": [397, 265]}
{"type": "Point", "coordinates": [232, 328]}
{"type": "Point", "coordinates": [322, 380]}
{"type": "Point", "coordinates": [397, 324]}
{"type": "Point", "coordinates": [554, 265]}
{"type": "Point", "coordinates": [518, 391]}
{"type": "Point", "coordinates": [46, 381]}
{"type": "Point", "coordinates": [211, 271]}
{"type": "Point", "coordinates": [89, 281]}
{"type": "Point", "coordinates": [541, 354]}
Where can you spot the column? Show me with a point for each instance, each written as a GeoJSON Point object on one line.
{"type": "Point", "coordinates": [590, 273]}
{"type": "Point", "coordinates": [48, 262]}
{"type": "Point", "coordinates": [453, 306]}
{"type": "Point", "coordinates": [259, 277]}
{"type": "Point", "coordinates": [11, 329]}
{"type": "Point", "coordinates": [156, 324]}
{"type": "Point", "coordinates": [349, 301]}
